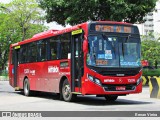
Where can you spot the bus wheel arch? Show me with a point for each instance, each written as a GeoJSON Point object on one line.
{"type": "Point", "coordinates": [64, 84]}
{"type": "Point", "coordinates": [26, 86]}
{"type": "Point", "coordinates": [61, 85]}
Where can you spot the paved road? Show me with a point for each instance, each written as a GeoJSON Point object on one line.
{"type": "Point", "coordinates": [16, 101]}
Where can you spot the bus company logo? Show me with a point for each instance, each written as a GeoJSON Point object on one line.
{"type": "Point", "coordinates": [32, 72]}
{"type": "Point", "coordinates": [120, 74]}
{"type": "Point", "coordinates": [120, 80]}
{"type": "Point", "coordinates": [53, 69]}
{"type": "Point", "coordinates": [109, 80]}
{"type": "Point", "coordinates": [26, 71]}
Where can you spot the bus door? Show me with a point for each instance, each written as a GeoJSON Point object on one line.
{"type": "Point", "coordinates": [76, 59]}
{"type": "Point", "coordinates": [15, 65]}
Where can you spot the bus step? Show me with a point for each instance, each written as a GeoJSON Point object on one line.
{"type": "Point", "coordinates": [16, 88]}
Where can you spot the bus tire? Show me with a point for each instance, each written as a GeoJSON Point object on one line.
{"type": "Point", "coordinates": [110, 98]}
{"type": "Point", "coordinates": [26, 87]}
{"type": "Point", "coordinates": [66, 92]}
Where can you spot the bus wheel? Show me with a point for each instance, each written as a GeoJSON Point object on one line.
{"type": "Point", "coordinates": [66, 92]}
{"type": "Point", "coordinates": [110, 98]}
{"type": "Point", "coordinates": [26, 87]}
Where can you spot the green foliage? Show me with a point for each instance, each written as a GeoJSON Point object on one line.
{"type": "Point", "coordinates": [78, 11]}
{"type": "Point", "coordinates": [27, 16]}
{"type": "Point", "coordinates": [19, 20]}
{"type": "Point", "coordinates": [3, 73]}
{"type": "Point", "coordinates": [150, 51]}
{"type": "Point", "coordinates": [155, 72]}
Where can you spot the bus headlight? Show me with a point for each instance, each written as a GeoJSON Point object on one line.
{"type": "Point", "coordinates": [139, 80]}
{"type": "Point", "coordinates": [90, 78]}
{"type": "Point", "coordinates": [95, 80]}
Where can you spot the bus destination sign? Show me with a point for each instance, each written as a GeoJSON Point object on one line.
{"type": "Point", "coordinates": [113, 28]}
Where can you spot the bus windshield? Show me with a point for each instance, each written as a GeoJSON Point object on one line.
{"type": "Point", "coordinates": [113, 51]}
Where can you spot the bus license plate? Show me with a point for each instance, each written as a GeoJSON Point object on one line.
{"type": "Point", "coordinates": [122, 88]}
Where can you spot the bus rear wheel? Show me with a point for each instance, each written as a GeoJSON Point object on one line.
{"type": "Point", "coordinates": [111, 98]}
{"type": "Point", "coordinates": [66, 92]}
{"type": "Point", "coordinates": [26, 87]}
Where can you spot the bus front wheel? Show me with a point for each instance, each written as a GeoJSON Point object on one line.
{"type": "Point", "coordinates": [111, 98]}
{"type": "Point", "coordinates": [66, 92]}
{"type": "Point", "coordinates": [26, 87]}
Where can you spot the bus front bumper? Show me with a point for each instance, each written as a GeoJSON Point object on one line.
{"type": "Point", "coordinates": [90, 88]}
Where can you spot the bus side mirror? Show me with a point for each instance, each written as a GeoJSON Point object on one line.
{"type": "Point", "coordinates": [85, 46]}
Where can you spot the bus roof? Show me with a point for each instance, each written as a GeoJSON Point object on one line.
{"type": "Point", "coordinates": [54, 32]}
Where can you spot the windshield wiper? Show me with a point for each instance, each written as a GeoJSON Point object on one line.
{"type": "Point", "coordinates": [123, 50]}
{"type": "Point", "coordinates": [94, 55]}
{"type": "Point", "coordinates": [128, 37]}
{"type": "Point", "coordinates": [104, 36]}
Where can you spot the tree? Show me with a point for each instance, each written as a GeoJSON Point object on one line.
{"type": "Point", "coordinates": [150, 51]}
{"type": "Point", "coordinates": [19, 20]}
{"type": "Point", "coordinates": [27, 15]}
{"type": "Point", "coordinates": [78, 11]}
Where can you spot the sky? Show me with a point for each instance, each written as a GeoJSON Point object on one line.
{"type": "Point", "coordinates": [5, 1]}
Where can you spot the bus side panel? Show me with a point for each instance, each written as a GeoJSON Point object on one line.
{"type": "Point", "coordinates": [65, 69]}
{"type": "Point", "coordinates": [23, 72]}
{"type": "Point", "coordinates": [37, 75]}
{"type": "Point", "coordinates": [53, 73]}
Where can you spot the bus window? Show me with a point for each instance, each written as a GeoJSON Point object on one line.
{"type": "Point", "coordinates": [23, 54]}
{"type": "Point", "coordinates": [42, 56]}
{"type": "Point", "coordinates": [32, 52]}
{"type": "Point", "coordinates": [65, 46]}
{"type": "Point", "coordinates": [53, 44]}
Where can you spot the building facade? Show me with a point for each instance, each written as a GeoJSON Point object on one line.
{"type": "Point", "coordinates": [152, 22]}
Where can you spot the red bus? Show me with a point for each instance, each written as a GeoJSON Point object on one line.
{"type": "Point", "coordinates": [99, 58]}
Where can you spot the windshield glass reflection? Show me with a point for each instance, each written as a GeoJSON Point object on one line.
{"type": "Point", "coordinates": [113, 51]}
